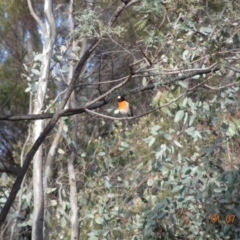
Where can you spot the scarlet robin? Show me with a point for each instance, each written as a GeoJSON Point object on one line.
{"type": "Point", "coordinates": [124, 107]}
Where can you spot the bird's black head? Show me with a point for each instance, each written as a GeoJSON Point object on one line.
{"type": "Point", "coordinates": [120, 98]}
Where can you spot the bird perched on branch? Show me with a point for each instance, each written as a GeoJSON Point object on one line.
{"type": "Point", "coordinates": [124, 107]}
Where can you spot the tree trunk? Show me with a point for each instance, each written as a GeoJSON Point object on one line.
{"type": "Point", "coordinates": [72, 159]}
{"type": "Point", "coordinates": [49, 34]}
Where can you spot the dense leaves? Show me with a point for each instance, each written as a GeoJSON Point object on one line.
{"type": "Point", "coordinates": [171, 174]}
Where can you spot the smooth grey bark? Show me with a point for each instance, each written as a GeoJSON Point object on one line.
{"type": "Point", "coordinates": [49, 34]}
{"type": "Point", "coordinates": [74, 219]}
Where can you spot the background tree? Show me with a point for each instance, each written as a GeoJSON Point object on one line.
{"type": "Point", "coordinates": [171, 171]}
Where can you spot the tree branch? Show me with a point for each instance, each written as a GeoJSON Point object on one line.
{"type": "Point", "coordinates": [120, 9]}
{"type": "Point", "coordinates": [35, 16]}
{"type": "Point", "coordinates": [151, 111]}
{"type": "Point", "coordinates": [43, 135]}
{"type": "Point", "coordinates": [97, 103]}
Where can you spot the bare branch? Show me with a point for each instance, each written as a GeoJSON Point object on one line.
{"type": "Point", "coordinates": [151, 111]}
{"type": "Point", "coordinates": [120, 9]}
{"type": "Point", "coordinates": [35, 16]}
{"type": "Point", "coordinates": [233, 68]}
{"type": "Point", "coordinates": [97, 103]}
{"type": "Point", "coordinates": [108, 92]}
{"type": "Point", "coordinates": [145, 56]}
{"type": "Point", "coordinates": [222, 87]}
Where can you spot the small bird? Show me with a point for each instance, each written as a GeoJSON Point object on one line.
{"type": "Point", "coordinates": [124, 107]}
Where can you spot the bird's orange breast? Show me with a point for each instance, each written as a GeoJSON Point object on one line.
{"type": "Point", "coordinates": [122, 105]}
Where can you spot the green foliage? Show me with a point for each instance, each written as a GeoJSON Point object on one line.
{"type": "Point", "coordinates": [90, 26]}
{"type": "Point", "coordinates": [11, 89]}
{"type": "Point", "coordinates": [151, 189]}
{"type": "Point", "coordinates": [165, 175]}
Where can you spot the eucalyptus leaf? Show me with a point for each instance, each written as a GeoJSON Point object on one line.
{"type": "Point", "coordinates": [35, 71]}
{"type": "Point", "coordinates": [99, 220]}
{"type": "Point", "coordinates": [177, 189]}
{"type": "Point", "coordinates": [152, 141]}
{"type": "Point", "coordinates": [179, 115]}
{"type": "Point", "coordinates": [183, 84]}
{"type": "Point", "coordinates": [124, 144]}
{"type": "Point", "coordinates": [177, 143]}
{"type": "Point", "coordinates": [101, 154]}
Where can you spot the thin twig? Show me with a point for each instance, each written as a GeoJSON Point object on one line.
{"type": "Point", "coordinates": [151, 111]}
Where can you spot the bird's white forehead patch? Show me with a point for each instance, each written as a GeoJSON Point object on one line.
{"type": "Point", "coordinates": [119, 97]}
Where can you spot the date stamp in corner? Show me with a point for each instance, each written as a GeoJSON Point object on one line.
{"type": "Point", "coordinates": [229, 218]}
